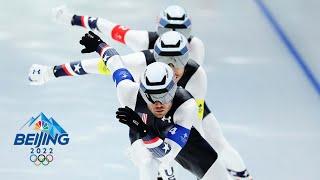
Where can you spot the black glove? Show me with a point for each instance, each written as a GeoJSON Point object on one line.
{"type": "Point", "coordinates": [91, 42]}
{"type": "Point", "coordinates": [133, 120]}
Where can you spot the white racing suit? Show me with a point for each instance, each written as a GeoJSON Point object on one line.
{"type": "Point", "coordinates": [175, 137]}
{"type": "Point", "coordinates": [193, 80]}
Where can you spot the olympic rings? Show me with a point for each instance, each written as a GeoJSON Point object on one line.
{"type": "Point", "coordinates": [33, 158]}
{"type": "Point", "coordinates": [45, 163]}
{"type": "Point", "coordinates": [37, 163]}
{"type": "Point", "coordinates": [41, 159]}
{"type": "Point", "coordinates": [49, 158]}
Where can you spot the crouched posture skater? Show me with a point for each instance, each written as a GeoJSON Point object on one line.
{"type": "Point", "coordinates": [172, 18]}
{"type": "Point", "coordinates": [161, 117]}
{"type": "Point", "coordinates": [170, 48]}
{"type": "Point", "coordinates": [156, 140]}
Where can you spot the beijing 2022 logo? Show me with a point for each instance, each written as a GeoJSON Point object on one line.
{"type": "Point", "coordinates": [47, 133]}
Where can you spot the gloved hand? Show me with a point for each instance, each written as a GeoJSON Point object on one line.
{"type": "Point", "coordinates": [133, 120]}
{"type": "Point", "coordinates": [62, 15]}
{"type": "Point", "coordinates": [40, 74]}
{"type": "Point", "coordinates": [91, 42]}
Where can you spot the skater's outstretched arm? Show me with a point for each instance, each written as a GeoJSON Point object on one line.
{"type": "Point", "coordinates": [135, 39]}
{"type": "Point", "coordinates": [126, 87]}
{"type": "Point", "coordinates": [40, 74]}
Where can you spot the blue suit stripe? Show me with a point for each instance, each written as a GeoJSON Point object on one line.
{"type": "Point", "coordinates": [179, 134]}
{"type": "Point", "coordinates": [121, 74]}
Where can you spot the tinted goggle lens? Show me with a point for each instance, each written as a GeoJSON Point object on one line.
{"type": "Point", "coordinates": [162, 98]}
{"type": "Point", "coordinates": [165, 97]}
{"type": "Point", "coordinates": [177, 62]}
{"type": "Point", "coordinates": [178, 25]}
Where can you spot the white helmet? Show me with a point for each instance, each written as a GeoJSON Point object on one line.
{"type": "Point", "coordinates": [157, 83]}
{"type": "Point", "coordinates": [174, 18]}
{"type": "Point", "coordinates": [172, 48]}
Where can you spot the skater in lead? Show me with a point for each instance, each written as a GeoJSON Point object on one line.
{"type": "Point", "coordinates": [171, 18]}
{"type": "Point", "coordinates": [162, 117]}
{"type": "Point", "coordinates": [188, 74]}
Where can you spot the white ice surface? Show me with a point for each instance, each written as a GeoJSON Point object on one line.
{"type": "Point", "coordinates": [267, 108]}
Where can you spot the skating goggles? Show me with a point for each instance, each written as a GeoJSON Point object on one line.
{"type": "Point", "coordinates": [175, 25]}
{"type": "Point", "coordinates": [164, 96]}
{"type": "Point", "coordinates": [178, 58]}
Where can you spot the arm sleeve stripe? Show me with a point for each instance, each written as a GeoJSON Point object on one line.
{"type": "Point", "coordinates": [200, 104]}
{"type": "Point", "coordinates": [82, 22]}
{"type": "Point", "coordinates": [70, 70]}
{"type": "Point", "coordinates": [77, 68]}
{"type": "Point", "coordinates": [151, 140]}
{"type": "Point", "coordinates": [118, 33]}
{"type": "Point", "coordinates": [86, 22]}
{"type": "Point", "coordinates": [101, 48]}
{"type": "Point", "coordinates": [76, 20]}
{"type": "Point", "coordinates": [58, 71]}
{"type": "Point", "coordinates": [121, 74]}
{"type": "Point", "coordinates": [156, 145]}
{"type": "Point", "coordinates": [179, 134]}
{"type": "Point", "coordinates": [161, 150]}
{"type": "Point", "coordinates": [66, 70]}
{"type": "Point", "coordinates": [92, 22]}
{"type": "Point", "coordinates": [106, 52]}
{"type": "Point", "coordinates": [102, 68]}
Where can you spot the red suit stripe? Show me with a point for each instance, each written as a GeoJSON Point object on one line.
{"type": "Point", "coordinates": [66, 70]}
{"type": "Point", "coordinates": [82, 22]}
{"type": "Point", "coordinates": [118, 33]}
{"type": "Point", "coordinates": [151, 141]}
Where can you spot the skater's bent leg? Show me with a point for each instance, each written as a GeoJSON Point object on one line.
{"type": "Point", "coordinates": [230, 157]}
{"type": "Point", "coordinates": [217, 172]}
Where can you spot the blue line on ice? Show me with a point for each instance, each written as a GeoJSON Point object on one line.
{"type": "Point", "coordinates": [294, 52]}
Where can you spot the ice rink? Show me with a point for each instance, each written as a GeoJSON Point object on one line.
{"type": "Point", "coordinates": [266, 101]}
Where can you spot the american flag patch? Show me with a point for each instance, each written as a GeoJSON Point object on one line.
{"type": "Point", "coordinates": [144, 117]}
